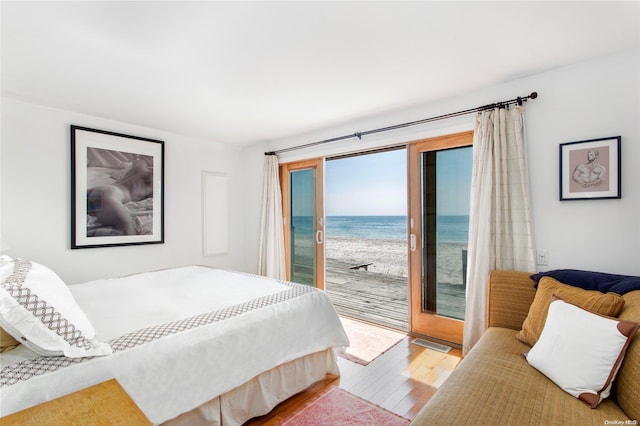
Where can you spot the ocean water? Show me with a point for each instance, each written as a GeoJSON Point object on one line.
{"type": "Point", "coordinates": [450, 228]}
{"type": "Point", "coordinates": [374, 227]}
{"type": "Point", "coordinates": [453, 228]}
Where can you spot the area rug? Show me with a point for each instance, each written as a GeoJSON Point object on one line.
{"type": "Point", "coordinates": [337, 407]}
{"type": "Point", "coordinates": [368, 341]}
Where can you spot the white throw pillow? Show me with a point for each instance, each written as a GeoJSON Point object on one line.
{"type": "Point", "coordinates": [580, 351]}
{"type": "Point", "coordinates": [37, 308]}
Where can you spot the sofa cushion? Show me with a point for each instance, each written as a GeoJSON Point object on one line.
{"type": "Point", "coordinates": [589, 280]}
{"type": "Point", "coordinates": [608, 304]}
{"type": "Point", "coordinates": [581, 351]}
{"type": "Point", "coordinates": [626, 388]}
{"type": "Point", "coordinates": [510, 294]}
{"type": "Point", "coordinates": [494, 385]}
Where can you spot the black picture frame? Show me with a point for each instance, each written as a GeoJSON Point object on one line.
{"type": "Point", "coordinates": [590, 169]}
{"type": "Point", "coordinates": [117, 189]}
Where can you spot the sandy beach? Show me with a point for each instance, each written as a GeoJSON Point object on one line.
{"type": "Point", "coordinates": [390, 256]}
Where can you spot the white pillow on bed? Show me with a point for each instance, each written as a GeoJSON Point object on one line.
{"type": "Point", "coordinates": [37, 308]}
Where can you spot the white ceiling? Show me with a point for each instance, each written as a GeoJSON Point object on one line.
{"type": "Point", "coordinates": [244, 72]}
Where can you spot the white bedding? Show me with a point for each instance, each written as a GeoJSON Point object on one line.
{"type": "Point", "coordinates": [241, 325]}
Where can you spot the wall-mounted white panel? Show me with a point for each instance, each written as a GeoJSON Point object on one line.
{"type": "Point", "coordinates": [215, 213]}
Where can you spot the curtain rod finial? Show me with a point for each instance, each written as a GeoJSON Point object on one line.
{"type": "Point", "coordinates": [270, 153]}
{"type": "Point", "coordinates": [533, 95]}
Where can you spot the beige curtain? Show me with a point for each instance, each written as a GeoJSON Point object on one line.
{"type": "Point", "coordinates": [500, 221]}
{"type": "Point", "coordinates": [271, 262]}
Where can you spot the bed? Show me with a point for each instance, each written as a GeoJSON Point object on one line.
{"type": "Point", "coordinates": [190, 345]}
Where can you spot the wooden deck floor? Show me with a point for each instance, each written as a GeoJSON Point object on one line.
{"type": "Point", "coordinates": [370, 296]}
{"type": "Point", "coordinates": [382, 298]}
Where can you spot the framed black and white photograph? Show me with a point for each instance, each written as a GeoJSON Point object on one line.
{"type": "Point", "coordinates": [117, 189]}
{"type": "Point", "coordinates": [590, 169]}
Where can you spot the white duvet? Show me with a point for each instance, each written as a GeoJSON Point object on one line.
{"type": "Point", "coordinates": [258, 323]}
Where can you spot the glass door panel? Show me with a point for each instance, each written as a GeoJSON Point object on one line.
{"type": "Point", "coordinates": [303, 209]}
{"type": "Point", "coordinates": [446, 191]}
{"type": "Point", "coordinates": [439, 188]}
{"type": "Point", "coordinates": [302, 227]}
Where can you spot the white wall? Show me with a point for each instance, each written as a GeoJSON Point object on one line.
{"type": "Point", "coordinates": [35, 178]}
{"type": "Point", "coordinates": [593, 99]}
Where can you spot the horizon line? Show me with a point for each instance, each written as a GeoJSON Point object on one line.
{"type": "Point", "coordinates": [380, 215]}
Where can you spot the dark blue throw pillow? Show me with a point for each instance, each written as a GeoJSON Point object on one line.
{"type": "Point", "coordinates": [588, 280]}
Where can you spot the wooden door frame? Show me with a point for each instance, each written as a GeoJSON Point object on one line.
{"type": "Point", "coordinates": [426, 323]}
{"type": "Point", "coordinates": [285, 186]}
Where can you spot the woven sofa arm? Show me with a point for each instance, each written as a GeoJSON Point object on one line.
{"type": "Point", "coordinates": [510, 295]}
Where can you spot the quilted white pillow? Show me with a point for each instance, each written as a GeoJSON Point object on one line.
{"type": "Point", "coordinates": [580, 351]}
{"type": "Point", "coordinates": [37, 308]}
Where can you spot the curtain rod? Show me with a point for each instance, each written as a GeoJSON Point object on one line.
{"type": "Point", "coordinates": [519, 100]}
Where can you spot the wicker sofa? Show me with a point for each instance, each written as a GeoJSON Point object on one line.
{"type": "Point", "coordinates": [494, 384]}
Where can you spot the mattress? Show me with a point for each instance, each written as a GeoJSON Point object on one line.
{"type": "Point", "coordinates": [180, 338]}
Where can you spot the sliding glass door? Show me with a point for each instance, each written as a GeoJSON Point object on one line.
{"type": "Point", "coordinates": [439, 190]}
{"type": "Point", "coordinates": [303, 209]}
{"type": "Point", "coordinates": [439, 179]}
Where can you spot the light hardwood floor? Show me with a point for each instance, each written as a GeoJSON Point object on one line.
{"type": "Point", "coordinates": [401, 380]}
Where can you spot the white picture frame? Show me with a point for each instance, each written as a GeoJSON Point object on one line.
{"type": "Point", "coordinates": [215, 213]}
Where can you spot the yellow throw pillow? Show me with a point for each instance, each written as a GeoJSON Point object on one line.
{"type": "Point", "coordinates": [7, 341]}
{"type": "Point", "coordinates": [608, 304]}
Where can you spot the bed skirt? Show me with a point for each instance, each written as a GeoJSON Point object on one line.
{"type": "Point", "coordinates": [261, 394]}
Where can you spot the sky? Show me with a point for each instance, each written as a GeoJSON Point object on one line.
{"type": "Point", "coordinates": [367, 185]}
{"type": "Point", "coordinates": [454, 181]}
{"type": "Point", "coordinates": [376, 184]}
